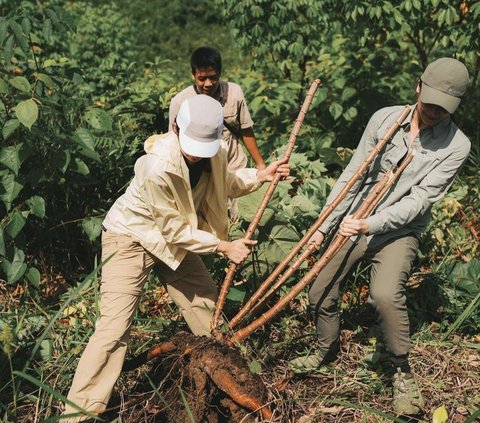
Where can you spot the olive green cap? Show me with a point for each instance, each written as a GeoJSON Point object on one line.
{"type": "Point", "coordinates": [444, 82]}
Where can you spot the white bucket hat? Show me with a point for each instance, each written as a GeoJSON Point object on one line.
{"type": "Point", "coordinates": [200, 124]}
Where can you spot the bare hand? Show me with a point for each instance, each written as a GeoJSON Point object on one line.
{"type": "Point", "coordinates": [237, 251]}
{"type": "Point", "coordinates": [278, 166]}
{"type": "Point", "coordinates": [351, 226]}
{"type": "Point", "coordinates": [317, 238]}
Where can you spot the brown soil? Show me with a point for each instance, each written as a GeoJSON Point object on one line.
{"type": "Point", "coordinates": [199, 378]}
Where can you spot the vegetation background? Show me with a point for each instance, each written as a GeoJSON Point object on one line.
{"type": "Point", "coordinates": [83, 83]}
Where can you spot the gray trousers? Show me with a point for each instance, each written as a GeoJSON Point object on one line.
{"type": "Point", "coordinates": [391, 266]}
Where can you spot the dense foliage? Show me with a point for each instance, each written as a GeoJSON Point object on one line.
{"type": "Point", "coordinates": [82, 84]}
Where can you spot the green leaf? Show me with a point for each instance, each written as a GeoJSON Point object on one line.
{"type": "Point", "coordinates": [49, 82]}
{"type": "Point", "coordinates": [92, 227]}
{"type": "Point", "coordinates": [79, 166]}
{"type": "Point", "coordinates": [2, 244]}
{"type": "Point", "coordinates": [8, 50]}
{"type": "Point", "coordinates": [335, 110]}
{"type": "Point", "coordinates": [283, 238]}
{"type": "Point", "coordinates": [9, 189]}
{"type": "Point", "coordinates": [466, 276]}
{"type": "Point", "coordinates": [53, 16]}
{"type": "Point", "coordinates": [3, 87]}
{"type": "Point", "coordinates": [15, 224]}
{"type": "Point", "coordinates": [15, 270]}
{"type": "Point", "coordinates": [9, 128]}
{"type": "Point", "coordinates": [10, 158]}
{"type": "Point", "coordinates": [27, 112]}
{"type": "Point", "coordinates": [84, 138]}
{"type": "Point", "coordinates": [62, 160]}
{"type": "Point", "coordinates": [20, 83]}
{"type": "Point", "coordinates": [3, 30]}
{"type": "Point", "coordinates": [348, 93]}
{"type": "Point", "coordinates": [33, 275]}
{"type": "Point", "coordinates": [236, 294]}
{"type": "Point", "coordinates": [99, 119]}
{"type": "Point", "coordinates": [19, 35]}
{"type": "Point", "coordinates": [37, 206]}
{"type": "Point", "coordinates": [248, 204]}
{"type": "Point", "coordinates": [255, 367]}
{"type": "Point", "coordinates": [47, 29]}
{"type": "Point", "coordinates": [46, 349]}
{"type": "Point", "coordinates": [26, 26]}
{"type": "Point", "coordinates": [440, 415]}
{"type": "Point", "coordinates": [350, 114]}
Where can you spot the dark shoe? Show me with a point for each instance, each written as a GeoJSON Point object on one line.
{"type": "Point", "coordinates": [407, 399]}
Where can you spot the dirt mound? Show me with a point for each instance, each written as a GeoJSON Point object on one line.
{"type": "Point", "coordinates": [203, 379]}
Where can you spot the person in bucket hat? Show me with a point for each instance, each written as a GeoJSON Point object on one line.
{"type": "Point", "coordinates": [389, 237]}
{"type": "Point", "coordinates": [173, 211]}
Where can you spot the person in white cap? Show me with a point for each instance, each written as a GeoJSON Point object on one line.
{"type": "Point", "coordinates": [389, 238]}
{"type": "Point", "coordinates": [174, 210]}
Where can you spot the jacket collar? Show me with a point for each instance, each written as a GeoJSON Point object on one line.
{"type": "Point", "coordinates": [167, 148]}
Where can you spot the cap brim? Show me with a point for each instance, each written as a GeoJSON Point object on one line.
{"type": "Point", "coordinates": [197, 148]}
{"type": "Point", "coordinates": [432, 96]}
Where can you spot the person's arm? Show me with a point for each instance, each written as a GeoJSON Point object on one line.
{"type": "Point", "coordinates": [244, 181]}
{"type": "Point", "coordinates": [421, 197]}
{"type": "Point", "coordinates": [176, 229]}
{"type": "Point", "coordinates": [246, 128]}
{"type": "Point", "coordinates": [248, 137]}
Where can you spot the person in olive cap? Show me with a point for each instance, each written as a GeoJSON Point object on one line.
{"type": "Point", "coordinates": [389, 238]}
{"type": "Point", "coordinates": [174, 210]}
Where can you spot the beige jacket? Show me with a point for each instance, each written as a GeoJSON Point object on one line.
{"type": "Point", "coordinates": [157, 208]}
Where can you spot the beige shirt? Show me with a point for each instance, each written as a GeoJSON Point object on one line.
{"type": "Point", "coordinates": [158, 207]}
{"type": "Point", "coordinates": [440, 152]}
{"type": "Point", "coordinates": [236, 114]}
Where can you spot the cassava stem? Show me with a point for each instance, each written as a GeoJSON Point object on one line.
{"type": "Point", "coordinates": [372, 200]}
{"type": "Point", "coordinates": [323, 216]}
{"type": "Point", "coordinates": [263, 205]}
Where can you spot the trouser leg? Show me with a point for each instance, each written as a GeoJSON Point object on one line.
{"type": "Point", "coordinates": [123, 277]}
{"type": "Point", "coordinates": [323, 295]}
{"type": "Point", "coordinates": [391, 266]}
{"type": "Point", "coordinates": [193, 290]}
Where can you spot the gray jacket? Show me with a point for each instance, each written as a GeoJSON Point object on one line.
{"type": "Point", "coordinates": [440, 152]}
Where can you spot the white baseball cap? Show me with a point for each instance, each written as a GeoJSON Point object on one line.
{"type": "Point", "coordinates": [200, 124]}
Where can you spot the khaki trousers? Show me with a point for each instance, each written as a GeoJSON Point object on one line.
{"type": "Point", "coordinates": [123, 277]}
{"type": "Point", "coordinates": [391, 266]}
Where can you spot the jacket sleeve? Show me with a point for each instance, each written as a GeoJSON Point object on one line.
{"type": "Point", "coordinates": [421, 197]}
{"type": "Point", "coordinates": [242, 182]}
{"type": "Point", "coordinates": [365, 146]}
{"type": "Point", "coordinates": [173, 226]}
